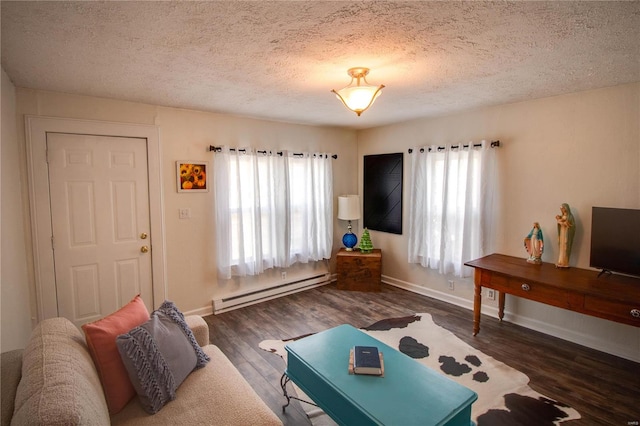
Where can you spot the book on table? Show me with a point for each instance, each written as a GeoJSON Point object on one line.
{"type": "Point", "coordinates": [366, 360]}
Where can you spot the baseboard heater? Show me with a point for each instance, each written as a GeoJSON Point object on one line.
{"type": "Point", "coordinates": [256, 296]}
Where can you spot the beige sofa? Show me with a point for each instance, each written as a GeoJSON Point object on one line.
{"type": "Point", "coordinates": [54, 382]}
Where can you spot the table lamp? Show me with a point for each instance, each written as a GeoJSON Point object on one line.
{"type": "Point", "coordinates": [349, 209]}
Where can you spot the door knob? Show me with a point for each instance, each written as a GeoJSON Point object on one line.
{"type": "Point", "coordinates": [144, 249]}
{"type": "Point", "coordinates": [143, 236]}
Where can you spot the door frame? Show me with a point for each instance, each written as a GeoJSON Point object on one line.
{"type": "Point", "coordinates": [36, 128]}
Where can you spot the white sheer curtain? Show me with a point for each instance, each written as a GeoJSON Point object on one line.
{"type": "Point", "coordinates": [451, 203]}
{"type": "Point", "coordinates": [271, 210]}
{"type": "Point", "coordinates": [311, 207]}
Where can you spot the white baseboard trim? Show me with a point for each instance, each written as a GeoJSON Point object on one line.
{"type": "Point", "coordinates": [203, 312]}
{"type": "Point", "coordinates": [445, 297]}
{"type": "Point", "coordinates": [572, 336]}
{"type": "Point", "coordinates": [527, 322]}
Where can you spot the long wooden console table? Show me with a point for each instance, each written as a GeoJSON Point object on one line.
{"type": "Point", "coordinates": [610, 296]}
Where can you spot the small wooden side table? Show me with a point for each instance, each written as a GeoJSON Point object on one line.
{"type": "Point", "coordinates": [359, 271]}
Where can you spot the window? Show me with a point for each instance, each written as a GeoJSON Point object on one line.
{"type": "Point", "coordinates": [451, 205]}
{"type": "Point", "coordinates": [271, 210]}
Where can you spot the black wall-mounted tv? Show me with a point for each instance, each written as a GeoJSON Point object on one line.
{"type": "Point", "coordinates": [615, 240]}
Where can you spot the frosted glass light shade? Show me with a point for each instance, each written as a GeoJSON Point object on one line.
{"type": "Point", "coordinates": [348, 207]}
{"type": "Point", "coordinates": [359, 95]}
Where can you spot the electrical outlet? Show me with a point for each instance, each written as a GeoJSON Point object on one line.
{"type": "Point", "coordinates": [451, 285]}
{"type": "Point", "coordinates": [284, 275]}
{"type": "Point", "coordinates": [491, 294]}
{"type": "Point", "coordinates": [184, 213]}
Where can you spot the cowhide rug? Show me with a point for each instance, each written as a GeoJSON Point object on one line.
{"type": "Point", "coordinates": [504, 396]}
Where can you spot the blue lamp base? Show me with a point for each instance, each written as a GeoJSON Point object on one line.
{"type": "Point", "coordinates": [349, 240]}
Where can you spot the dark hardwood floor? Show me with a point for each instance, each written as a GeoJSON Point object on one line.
{"type": "Point", "coordinates": [605, 389]}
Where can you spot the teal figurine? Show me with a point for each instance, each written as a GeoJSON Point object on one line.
{"type": "Point", "coordinates": [534, 244]}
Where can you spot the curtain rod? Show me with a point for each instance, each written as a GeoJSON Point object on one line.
{"type": "Point", "coordinates": [494, 144]}
{"type": "Point", "coordinates": [219, 148]}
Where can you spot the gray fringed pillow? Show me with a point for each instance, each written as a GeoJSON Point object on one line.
{"type": "Point", "coordinates": [159, 355]}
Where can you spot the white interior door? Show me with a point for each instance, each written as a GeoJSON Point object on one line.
{"type": "Point", "coordinates": [99, 196]}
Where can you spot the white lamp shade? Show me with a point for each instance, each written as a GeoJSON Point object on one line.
{"type": "Point", "coordinates": [348, 207]}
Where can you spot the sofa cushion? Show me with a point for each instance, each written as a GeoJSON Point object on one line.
{"type": "Point", "coordinates": [159, 355]}
{"type": "Point", "coordinates": [214, 395]}
{"type": "Point", "coordinates": [101, 339]}
{"type": "Point", "coordinates": [60, 384]}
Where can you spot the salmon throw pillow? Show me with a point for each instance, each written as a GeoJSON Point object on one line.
{"type": "Point", "coordinates": [101, 340]}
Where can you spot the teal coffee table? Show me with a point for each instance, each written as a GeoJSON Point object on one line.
{"type": "Point", "coordinates": [408, 394]}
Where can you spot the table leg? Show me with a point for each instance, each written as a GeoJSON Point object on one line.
{"type": "Point", "coordinates": [501, 305]}
{"type": "Point", "coordinates": [477, 304]}
{"type": "Point", "coordinates": [283, 384]}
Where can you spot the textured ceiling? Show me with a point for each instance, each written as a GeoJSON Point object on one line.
{"type": "Point", "coordinates": [279, 60]}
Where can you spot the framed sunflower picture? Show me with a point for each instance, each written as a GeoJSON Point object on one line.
{"type": "Point", "coordinates": [192, 176]}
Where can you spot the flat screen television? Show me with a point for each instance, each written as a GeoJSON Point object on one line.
{"type": "Point", "coordinates": [615, 240]}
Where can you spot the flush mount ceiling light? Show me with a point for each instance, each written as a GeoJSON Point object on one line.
{"type": "Point", "coordinates": [359, 95]}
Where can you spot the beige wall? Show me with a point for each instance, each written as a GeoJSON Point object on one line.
{"type": "Point", "coordinates": [16, 315]}
{"type": "Point", "coordinates": [581, 148]}
{"type": "Point", "coordinates": [184, 135]}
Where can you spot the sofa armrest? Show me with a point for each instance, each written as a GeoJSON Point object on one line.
{"type": "Point", "coordinates": [11, 373]}
{"type": "Point", "coordinates": [199, 327]}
